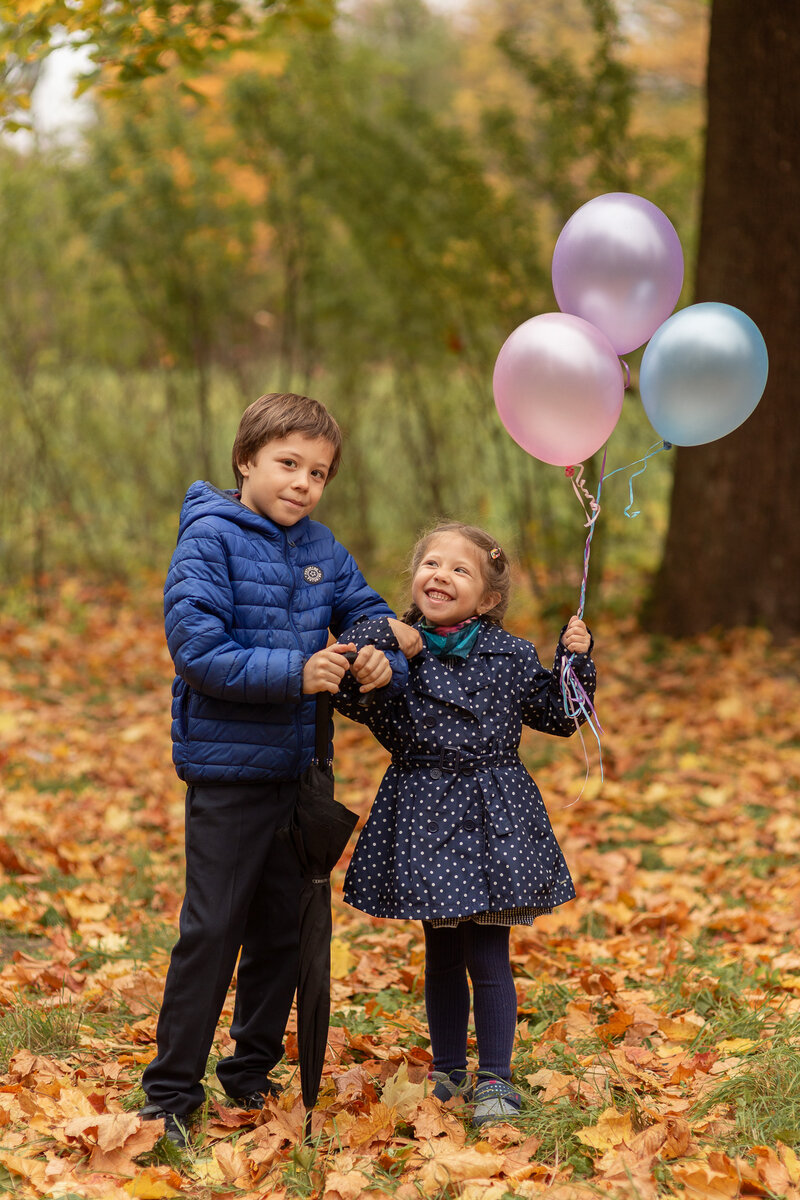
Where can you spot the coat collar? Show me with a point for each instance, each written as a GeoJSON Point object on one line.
{"type": "Point", "coordinates": [466, 688]}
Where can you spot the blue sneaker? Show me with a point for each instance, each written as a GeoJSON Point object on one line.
{"type": "Point", "coordinates": [494, 1100]}
{"type": "Point", "coordinates": [447, 1088]}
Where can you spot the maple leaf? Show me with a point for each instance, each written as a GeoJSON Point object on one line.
{"type": "Point", "coordinates": [154, 1183]}
{"type": "Point", "coordinates": [375, 1126]}
{"type": "Point", "coordinates": [401, 1094]}
{"type": "Point", "coordinates": [350, 1185]}
{"type": "Point", "coordinates": [433, 1120]}
{"type": "Point", "coordinates": [612, 1128]}
{"type": "Point", "coordinates": [716, 1179]}
{"type": "Point", "coordinates": [113, 1140]}
{"type": "Point", "coordinates": [448, 1165]}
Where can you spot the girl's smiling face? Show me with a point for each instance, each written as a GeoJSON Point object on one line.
{"type": "Point", "coordinates": [448, 585]}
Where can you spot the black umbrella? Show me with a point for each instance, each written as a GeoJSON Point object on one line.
{"type": "Point", "coordinates": [319, 830]}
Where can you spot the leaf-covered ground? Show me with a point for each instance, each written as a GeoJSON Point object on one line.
{"type": "Point", "coordinates": [658, 1045]}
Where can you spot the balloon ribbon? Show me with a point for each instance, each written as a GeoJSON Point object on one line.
{"type": "Point", "coordinates": [656, 448]}
{"type": "Point", "coordinates": [577, 703]}
{"type": "Point", "coordinates": [576, 700]}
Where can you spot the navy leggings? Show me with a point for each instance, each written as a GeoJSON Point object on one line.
{"type": "Point", "coordinates": [482, 953]}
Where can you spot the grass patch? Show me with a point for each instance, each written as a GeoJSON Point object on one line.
{"type": "Point", "coordinates": [151, 940]}
{"type": "Point", "coordinates": [545, 1004]}
{"type": "Point", "coordinates": [27, 1025]}
{"type": "Point", "coordinates": [763, 1097]}
{"type": "Point", "coordinates": [716, 990]}
{"type": "Point", "coordinates": [556, 1124]}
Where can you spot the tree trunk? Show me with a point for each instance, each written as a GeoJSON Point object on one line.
{"type": "Point", "coordinates": [732, 553]}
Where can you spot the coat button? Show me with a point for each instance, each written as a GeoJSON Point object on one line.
{"type": "Point", "coordinates": [436, 773]}
{"type": "Point", "coordinates": [430, 722]}
{"type": "Point", "coordinates": [433, 826]}
{"type": "Point", "coordinates": [468, 825]}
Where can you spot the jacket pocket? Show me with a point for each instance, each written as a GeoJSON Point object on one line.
{"type": "Point", "coordinates": [183, 712]}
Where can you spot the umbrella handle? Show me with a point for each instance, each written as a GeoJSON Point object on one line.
{"type": "Point", "coordinates": [364, 698]}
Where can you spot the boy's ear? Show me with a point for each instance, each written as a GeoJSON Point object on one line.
{"type": "Point", "coordinates": [244, 469]}
{"type": "Point", "coordinates": [488, 601]}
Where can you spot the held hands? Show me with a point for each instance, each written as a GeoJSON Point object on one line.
{"type": "Point", "coordinates": [576, 637]}
{"type": "Point", "coordinates": [409, 639]}
{"type": "Point", "coordinates": [325, 670]}
{"type": "Point", "coordinates": [372, 669]}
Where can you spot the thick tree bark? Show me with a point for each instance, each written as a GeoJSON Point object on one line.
{"type": "Point", "coordinates": [732, 553]}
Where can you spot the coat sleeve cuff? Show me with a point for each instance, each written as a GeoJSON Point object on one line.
{"type": "Point", "coordinates": [375, 631]}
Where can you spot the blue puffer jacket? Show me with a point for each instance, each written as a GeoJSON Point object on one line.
{"type": "Point", "coordinates": [246, 603]}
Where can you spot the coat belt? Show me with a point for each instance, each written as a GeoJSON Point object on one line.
{"type": "Point", "coordinates": [454, 760]}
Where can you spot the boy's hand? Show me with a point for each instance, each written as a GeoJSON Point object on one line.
{"type": "Point", "coordinates": [372, 669]}
{"type": "Point", "coordinates": [409, 639]}
{"type": "Point", "coordinates": [324, 671]}
{"type": "Point", "coordinates": [576, 637]}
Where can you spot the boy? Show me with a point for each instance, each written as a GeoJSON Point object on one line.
{"type": "Point", "coordinates": [253, 588]}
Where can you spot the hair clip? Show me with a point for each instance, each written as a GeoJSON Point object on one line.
{"type": "Point", "coordinates": [495, 552]}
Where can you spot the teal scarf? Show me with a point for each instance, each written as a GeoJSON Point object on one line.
{"type": "Point", "coordinates": [455, 644]}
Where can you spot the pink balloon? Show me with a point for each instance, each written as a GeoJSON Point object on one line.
{"type": "Point", "coordinates": [558, 388]}
{"type": "Point", "coordinates": [618, 264]}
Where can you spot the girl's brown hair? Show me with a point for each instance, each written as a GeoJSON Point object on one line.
{"type": "Point", "coordinates": [494, 566]}
{"type": "Point", "coordinates": [277, 415]}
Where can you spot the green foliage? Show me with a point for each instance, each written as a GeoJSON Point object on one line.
{"type": "Point", "coordinates": [587, 111]}
{"type": "Point", "coordinates": [131, 41]}
{"type": "Point", "coordinates": [323, 221]}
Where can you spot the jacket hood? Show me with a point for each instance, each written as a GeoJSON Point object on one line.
{"type": "Point", "coordinates": [204, 500]}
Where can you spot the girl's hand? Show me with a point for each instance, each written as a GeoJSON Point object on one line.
{"type": "Point", "coordinates": [409, 639]}
{"type": "Point", "coordinates": [576, 637]}
{"type": "Point", "coordinates": [324, 671]}
{"type": "Point", "coordinates": [372, 669]}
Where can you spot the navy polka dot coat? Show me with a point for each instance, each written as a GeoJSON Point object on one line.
{"type": "Point", "coordinates": [458, 825]}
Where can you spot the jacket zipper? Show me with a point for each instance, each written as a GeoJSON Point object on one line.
{"type": "Point", "coordinates": [298, 723]}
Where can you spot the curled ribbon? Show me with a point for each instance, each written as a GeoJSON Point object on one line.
{"type": "Point", "coordinates": [575, 698]}
{"type": "Point", "coordinates": [656, 448]}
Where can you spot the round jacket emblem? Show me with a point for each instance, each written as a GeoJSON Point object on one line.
{"type": "Point", "coordinates": [313, 574]}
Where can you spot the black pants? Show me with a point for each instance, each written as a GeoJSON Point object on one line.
{"type": "Point", "coordinates": [242, 892]}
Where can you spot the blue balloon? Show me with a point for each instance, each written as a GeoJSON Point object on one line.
{"type": "Point", "coordinates": [702, 374]}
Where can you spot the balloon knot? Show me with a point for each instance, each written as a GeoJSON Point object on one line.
{"type": "Point", "coordinates": [667, 445]}
{"type": "Point", "coordinates": [569, 472]}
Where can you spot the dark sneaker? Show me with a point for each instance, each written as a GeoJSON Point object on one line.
{"type": "Point", "coordinates": [176, 1126]}
{"type": "Point", "coordinates": [495, 1100]}
{"type": "Point", "coordinates": [258, 1099]}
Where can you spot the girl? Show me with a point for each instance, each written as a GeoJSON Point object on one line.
{"type": "Point", "coordinates": [458, 836]}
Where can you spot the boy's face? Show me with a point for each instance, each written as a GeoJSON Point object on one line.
{"type": "Point", "coordinates": [286, 478]}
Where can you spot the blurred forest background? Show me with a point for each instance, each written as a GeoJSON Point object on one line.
{"type": "Point", "coordinates": [360, 205]}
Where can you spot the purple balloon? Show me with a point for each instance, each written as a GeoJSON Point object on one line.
{"type": "Point", "coordinates": [558, 388]}
{"type": "Point", "coordinates": [618, 264]}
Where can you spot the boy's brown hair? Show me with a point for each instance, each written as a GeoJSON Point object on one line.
{"type": "Point", "coordinates": [495, 567]}
{"type": "Point", "coordinates": [277, 415]}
